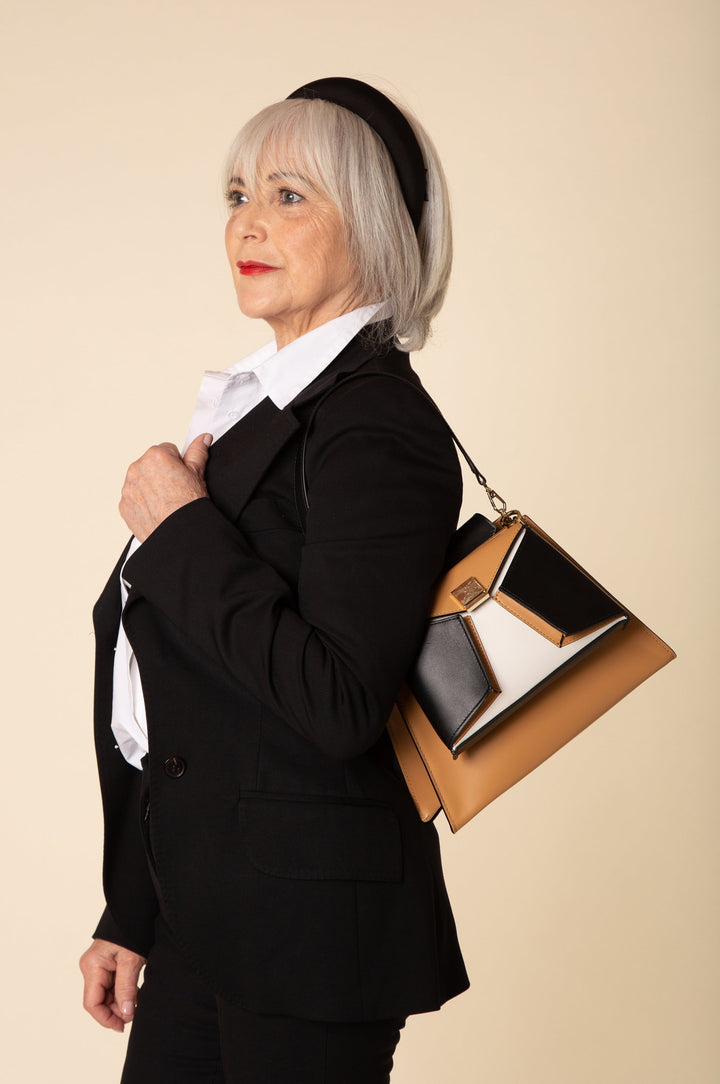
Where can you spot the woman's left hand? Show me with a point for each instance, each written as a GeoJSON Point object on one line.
{"type": "Point", "coordinates": [162, 481]}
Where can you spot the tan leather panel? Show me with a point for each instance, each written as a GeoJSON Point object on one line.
{"type": "Point", "coordinates": [586, 632]}
{"type": "Point", "coordinates": [483, 563]}
{"type": "Point", "coordinates": [418, 781]}
{"type": "Point", "coordinates": [529, 618]}
{"type": "Point", "coordinates": [537, 729]}
{"type": "Point", "coordinates": [480, 648]}
{"type": "Point", "coordinates": [494, 689]}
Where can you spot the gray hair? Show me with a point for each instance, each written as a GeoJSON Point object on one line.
{"type": "Point", "coordinates": [340, 154]}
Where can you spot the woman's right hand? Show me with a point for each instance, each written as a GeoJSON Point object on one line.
{"type": "Point", "coordinates": [111, 983]}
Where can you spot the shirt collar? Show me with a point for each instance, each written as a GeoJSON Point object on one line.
{"type": "Point", "coordinates": [284, 373]}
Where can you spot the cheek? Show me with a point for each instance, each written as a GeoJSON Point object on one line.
{"type": "Point", "coordinates": [315, 253]}
{"type": "Point", "coordinates": [229, 238]}
{"type": "Point", "coordinates": [306, 258]}
{"type": "Point", "coordinates": [328, 253]}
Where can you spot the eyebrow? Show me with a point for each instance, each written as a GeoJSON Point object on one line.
{"type": "Point", "coordinates": [289, 176]}
{"type": "Point", "coordinates": [276, 177]}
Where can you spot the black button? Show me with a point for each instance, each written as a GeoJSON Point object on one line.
{"type": "Point", "coordinates": [175, 767]}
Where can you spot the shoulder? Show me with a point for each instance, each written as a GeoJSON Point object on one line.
{"type": "Point", "coordinates": [383, 394]}
{"type": "Point", "coordinates": [377, 430]}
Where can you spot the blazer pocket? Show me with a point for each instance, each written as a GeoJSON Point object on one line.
{"type": "Point", "coordinates": [321, 839]}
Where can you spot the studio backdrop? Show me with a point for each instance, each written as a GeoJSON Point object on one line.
{"type": "Point", "coordinates": [576, 356]}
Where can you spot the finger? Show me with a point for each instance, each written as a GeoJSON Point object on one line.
{"type": "Point", "coordinates": [172, 449]}
{"type": "Point", "coordinates": [126, 988]}
{"type": "Point", "coordinates": [95, 1001]}
{"type": "Point", "coordinates": [196, 456]}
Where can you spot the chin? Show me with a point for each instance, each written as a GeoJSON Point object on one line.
{"type": "Point", "coordinates": [255, 312]}
{"type": "Point", "coordinates": [255, 308]}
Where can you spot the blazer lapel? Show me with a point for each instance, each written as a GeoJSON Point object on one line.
{"type": "Point", "coordinates": [240, 457]}
{"type": "Point", "coordinates": [237, 463]}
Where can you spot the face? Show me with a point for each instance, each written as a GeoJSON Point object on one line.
{"type": "Point", "coordinates": [287, 252]}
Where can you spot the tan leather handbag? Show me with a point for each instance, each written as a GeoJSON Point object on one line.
{"type": "Point", "coordinates": [508, 747]}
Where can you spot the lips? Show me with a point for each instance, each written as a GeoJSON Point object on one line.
{"type": "Point", "coordinates": [253, 267]}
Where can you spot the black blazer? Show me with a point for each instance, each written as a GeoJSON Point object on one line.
{"type": "Point", "coordinates": [288, 856]}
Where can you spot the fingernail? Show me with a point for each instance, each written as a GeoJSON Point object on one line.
{"type": "Point", "coordinates": [127, 1008]}
{"type": "Point", "coordinates": [207, 440]}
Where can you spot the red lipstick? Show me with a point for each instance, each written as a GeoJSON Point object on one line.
{"type": "Point", "coordinates": [253, 267]}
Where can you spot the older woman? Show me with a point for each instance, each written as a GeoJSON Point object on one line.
{"type": "Point", "coordinates": [262, 851]}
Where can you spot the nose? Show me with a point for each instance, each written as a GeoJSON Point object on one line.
{"type": "Point", "coordinates": [250, 223]}
{"type": "Point", "coordinates": [255, 230]}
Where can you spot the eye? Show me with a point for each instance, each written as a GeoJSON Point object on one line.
{"type": "Point", "coordinates": [235, 197]}
{"type": "Point", "coordinates": [289, 198]}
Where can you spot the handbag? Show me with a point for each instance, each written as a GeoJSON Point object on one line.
{"type": "Point", "coordinates": [523, 650]}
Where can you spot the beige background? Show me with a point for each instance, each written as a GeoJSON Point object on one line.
{"type": "Point", "coordinates": [576, 355]}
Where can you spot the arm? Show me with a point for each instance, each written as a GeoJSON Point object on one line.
{"type": "Point", "coordinates": [385, 490]}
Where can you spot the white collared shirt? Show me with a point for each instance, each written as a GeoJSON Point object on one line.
{"type": "Point", "coordinates": [224, 398]}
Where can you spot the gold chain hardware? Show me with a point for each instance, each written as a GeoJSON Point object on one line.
{"type": "Point", "coordinates": [499, 506]}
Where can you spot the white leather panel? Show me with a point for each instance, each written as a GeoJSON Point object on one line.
{"type": "Point", "coordinates": [520, 657]}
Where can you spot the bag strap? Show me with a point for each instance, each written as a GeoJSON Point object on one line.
{"type": "Point", "coordinates": [301, 490]}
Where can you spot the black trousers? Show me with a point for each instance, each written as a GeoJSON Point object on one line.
{"type": "Point", "coordinates": [184, 1034]}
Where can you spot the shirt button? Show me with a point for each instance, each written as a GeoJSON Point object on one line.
{"type": "Point", "coordinates": [213, 402]}
{"type": "Point", "coordinates": [174, 767]}
{"type": "Point", "coordinates": [232, 414]}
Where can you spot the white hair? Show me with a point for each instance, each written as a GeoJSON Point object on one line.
{"type": "Point", "coordinates": [341, 155]}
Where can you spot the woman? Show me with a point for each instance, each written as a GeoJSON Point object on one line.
{"type": "Point", "coordinates": [262, 851]}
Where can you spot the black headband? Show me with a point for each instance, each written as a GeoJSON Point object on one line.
{"type": "Point", "coordinates": [391, 125]}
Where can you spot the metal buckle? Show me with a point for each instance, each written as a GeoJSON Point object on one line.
{"type": "Point", "coordinates": [470, 594]}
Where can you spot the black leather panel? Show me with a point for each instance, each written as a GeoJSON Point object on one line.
{"type": "Point", "coordinates": [448, 679]}
{"type": "Point", "coordinates": [545, 582]}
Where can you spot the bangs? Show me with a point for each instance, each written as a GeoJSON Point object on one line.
{"type": "Point", "coordinates": [293, 136]}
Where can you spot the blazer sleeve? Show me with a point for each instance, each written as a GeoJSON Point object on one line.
{"type": "Point", "coordinates": [327, 655]}
{"type": "Point", "coordinates": [107, 929]}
